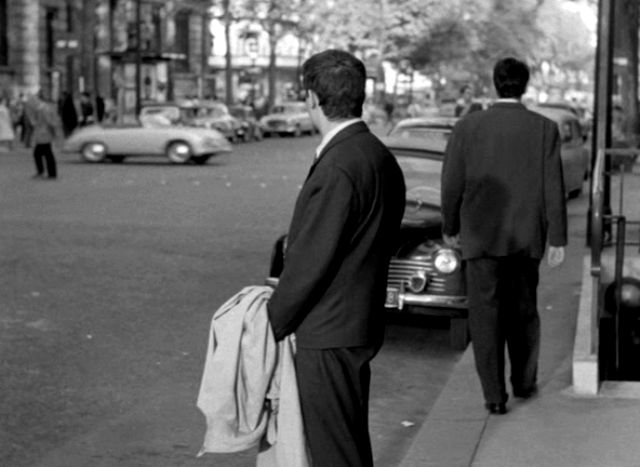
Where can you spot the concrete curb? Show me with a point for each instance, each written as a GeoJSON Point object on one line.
{"type": "Point", "coordinates": [453, 428]}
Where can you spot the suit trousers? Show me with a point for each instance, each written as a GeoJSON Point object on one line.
{"type": "Point", "coordinates": [502, 294]}
{"type": "Point", "coordinates": [334, 395]}
{"type": "Point", "coordinates": [41, 151]}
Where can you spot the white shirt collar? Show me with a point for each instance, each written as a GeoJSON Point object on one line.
{"type": "Point", "coordinates": [329, 136]}
{"type": "Point", "coordinates": [509, 100]}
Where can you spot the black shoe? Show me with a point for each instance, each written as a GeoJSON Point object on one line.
{"type": "Point", "coordinates": [525, 393]}
{"type": "Point", "coordinates": [499, 408]}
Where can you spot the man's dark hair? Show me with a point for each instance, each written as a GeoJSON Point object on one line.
{"type": "Point", "coordinates": [338, 79]}
{"type": "Point", "coordinates": [510, 77]}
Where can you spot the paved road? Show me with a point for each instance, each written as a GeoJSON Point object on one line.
{"type": "Point", "coordinates": [108, 279]}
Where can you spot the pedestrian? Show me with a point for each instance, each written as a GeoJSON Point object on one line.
{"type": "Point", "coordinates": [46, 128]}
{"type": "Point", "coordinates": [100, 108]}
{"type": "Point", "coordinates": [29, 104]}
{"type": "Point", "coordinates": [388, 111]}
{"type": "Point", "coordinates": [502, 198]}
{"type": "Point", "coordinates": [86, 109]}
{"type": "Point", "coordinates": [6, 126]}
{"type": "Point", "coordinates": [465, 104]}
{"type": "Point", "coordinates": [331, 291]}
{"type": "Point", "coordinates": [16, 110]}
{"type": "Point", "coordinates": [68, 114]}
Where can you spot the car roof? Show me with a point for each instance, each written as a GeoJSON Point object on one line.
{"type": "Point", "coordinates": [556, 114]}
{"type": "Point", "coordinates": [431, 122]}
{"type": "Point", "coordinates": [412, 146]}
{"type": "Point", "coordinates": [559, 105]}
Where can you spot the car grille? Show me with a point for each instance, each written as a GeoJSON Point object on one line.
{"type": "Point", "coordinates": [401, 271]}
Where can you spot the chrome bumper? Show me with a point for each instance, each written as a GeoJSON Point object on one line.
{"type": "Point", "coordinates": [435, 301]}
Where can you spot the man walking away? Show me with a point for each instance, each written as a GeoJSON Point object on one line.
{"type": "Point", "coordinates": [332, 288]}
{"type": "Point", "coordinates": [46, 127]}
{"type": "Point", "coordinates": [502, 197]}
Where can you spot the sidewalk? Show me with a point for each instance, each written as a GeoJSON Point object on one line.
{"type": "Point", "coordinates": [556, 428]}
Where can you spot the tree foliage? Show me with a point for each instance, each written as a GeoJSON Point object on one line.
{"type": "Point", "coordinates": [456, 34]}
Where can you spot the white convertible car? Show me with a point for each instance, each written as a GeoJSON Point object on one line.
{"type": "Point", "coordinates": [149, 137]}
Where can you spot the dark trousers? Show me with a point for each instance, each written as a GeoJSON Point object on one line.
{"type": "Point", "coordinates": [334, 395]}
{"type": "Point", "coordinates": [41, 151]}
{"type": "Point", "coordinates": [502, 294]}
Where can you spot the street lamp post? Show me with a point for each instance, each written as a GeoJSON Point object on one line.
{"type": "Point", "coordinates": [251, 45]}
{"type": "Point", "coordinates": [138, 56]}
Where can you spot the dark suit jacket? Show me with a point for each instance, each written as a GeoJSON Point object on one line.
{"type": "Point", "coordinates": [332, 288]}
{"type": "Point", "coordinates": [502, 185]}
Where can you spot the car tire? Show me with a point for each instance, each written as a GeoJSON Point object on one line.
{"type": "Point", "coordinates": [117, 159]}
{"type": "Point", "coordinates": [179, 152]}
{"type": "Point", "coordinates": [200, 160]}
{"type": "Point", "coordinates": [94, 151]}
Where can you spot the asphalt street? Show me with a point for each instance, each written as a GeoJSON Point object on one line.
{"type": "Point", "coordinates": [108, 280]}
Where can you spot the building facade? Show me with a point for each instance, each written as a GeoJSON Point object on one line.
{"type": "Point", "coordinates": [90, 46]}
{"type": "Point", "coordinates": [76, 46]}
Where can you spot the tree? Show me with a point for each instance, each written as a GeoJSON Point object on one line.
{"type": "Point", "coordinates": [277, 18]}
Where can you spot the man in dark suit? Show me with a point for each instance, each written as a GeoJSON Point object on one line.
{"type": "Point", "coordinates": [332, 289]}
{"type": "Point", "coordinates": [502, 197]}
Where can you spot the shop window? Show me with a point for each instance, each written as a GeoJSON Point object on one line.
{"type": "Point", "coordinates": [182, 40]}
{"type": "Point", "coordinates": [50, 45]}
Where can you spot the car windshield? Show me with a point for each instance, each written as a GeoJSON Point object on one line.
{"type": "Point", "coordinates": [169, 112]}
{"type": "Point", "coordinates": [422, 177]}
{"type": "Point", "coordinates": [216, 112]}
{"type": "Point", "coordinates": [434, 137]}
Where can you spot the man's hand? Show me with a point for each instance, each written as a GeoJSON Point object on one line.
{"type": "Point", "coordinates": [452, 241]}
{"type": "Point", "coordinates": [555, 256]}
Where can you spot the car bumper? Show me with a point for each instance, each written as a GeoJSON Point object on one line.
{"type": "Point", "coordinates": [213, 146]}
{"type": "Point", "coordinates": [399, 299]}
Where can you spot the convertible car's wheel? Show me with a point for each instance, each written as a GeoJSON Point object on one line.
{"type": "Point", "coordinates": [179, 152]}
{"type": "Point", "coordinates": [94, 152]}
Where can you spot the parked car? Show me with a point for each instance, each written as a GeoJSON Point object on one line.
{"type": "Point", "coordinates": [216, 115]}
{"type": "Point", "coordinates": [289, 118]}
{"type": "Point", "coordinates": [576, 160]}
{"type": "Point", "coordinates": [250, 124]}
{"type": "Point", "coordinates": [153, 135]}
{"type": "Point", "coordinates": [435, 131]}
{"type": "Point", "coordinates": [425, 276]}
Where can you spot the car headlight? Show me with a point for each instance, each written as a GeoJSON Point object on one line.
{"type": "Point", "coordinates": [446, 261]}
